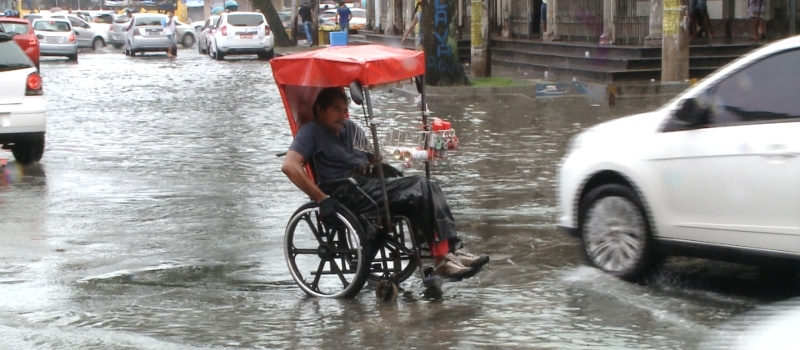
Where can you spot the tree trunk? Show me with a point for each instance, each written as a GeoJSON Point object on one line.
{"type": "Point", "coordinates": [439, 25]}
{"type": "Point", "coordinates": [275, 24]}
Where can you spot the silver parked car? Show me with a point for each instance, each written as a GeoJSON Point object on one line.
{"type": "Point", "coordinates": [87, 34]}
{"type": "Point", "coordinates": [207, 34]}
{"type": "Point", "coordinates": [184, 33]}
{"type": "Point", "coordinates": [145, 34]}
{"type": "Point", "coordinates": [56, 38]}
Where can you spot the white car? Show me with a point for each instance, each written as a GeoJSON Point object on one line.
{"type": "Point", "coordinates": [242, 33]}
{"type": "Point", "coordinates": [22, 107]}
{"type": "Point", "coordinates": [713, 173]}
{"type": "Point", "coordinates": [87, 34]}
{"type": "Point", "coordinates": [56, 38]}
{"type": "Point", "coordinates": [207, 34]}
{"type": "Point", "coordinates": [359, 16]}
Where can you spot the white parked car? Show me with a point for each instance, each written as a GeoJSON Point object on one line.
{"type": "Point", "coordinates": [242, 33]}
{"type": "Point", "coordinates": [22, 107]}
{"type": "Point", "coordinates": [713, 173]}
{"type": "Point", "coordinates": [359, 16]}
{"type": "Point", "coordinates": [88, 35]}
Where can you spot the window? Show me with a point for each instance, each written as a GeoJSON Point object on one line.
{"type": "Point", "coordinates": [765, 91]}
{"type": "Point", "coordinates": [148, 21]}
{"type": "Point", "coordinates": [12, 57]}
{"type": "Point", "coordinates": [13, 27]}
{"type": "Point", "coordinates": [245, 20]}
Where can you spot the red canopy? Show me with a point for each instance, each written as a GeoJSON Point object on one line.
{"type": "Point", "coordinates": [301, 76]}
{"type": "Point", "coordinates": [341, 65]}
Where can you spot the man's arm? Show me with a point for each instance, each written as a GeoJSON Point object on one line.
{"type": "Point", "coordinates": [293, 168]}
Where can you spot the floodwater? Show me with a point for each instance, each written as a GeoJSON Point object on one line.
{"type": "Point", "coordinates": [155, 220]}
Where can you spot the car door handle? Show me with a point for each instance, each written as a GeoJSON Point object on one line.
{"type": "Point", "coordinates": [779, 150]}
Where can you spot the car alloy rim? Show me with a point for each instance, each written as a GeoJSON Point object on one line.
{"type": "Point", "coordinates": [614, 234]}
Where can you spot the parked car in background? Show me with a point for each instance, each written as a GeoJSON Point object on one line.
{"type": "Point", "coordinates": [207, 34]}
{"type": "Point", "coordinates": [186, 35]}
{"type": "Point", "coordinates": [146, 34]}
{"type": "Point", "coordinates": [242, 33]}
{"type": "Point", "coordinates": [22, 108]}
{"type": "Point", "coordinates": [56, 38]}
{"type": "Point", "coordinates": [103, 21]}
{"type": "Point", "coordinates": [32, 16]}
{"type": "Point", "coordinates": [713, 173]}
{"type": "Point", "coordinates": [118, 29]}
{"type": "Point", "coordinates": [22, 32]}
{"type": "Point", "coordinates": [87, 34]}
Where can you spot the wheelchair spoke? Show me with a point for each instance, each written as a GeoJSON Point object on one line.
{"type": "Point", "coordinates": [335, 268]}
{"type": "Point", "coordinates": [315, 229]}
{"type": "Point", "coordinates": [315, 283]}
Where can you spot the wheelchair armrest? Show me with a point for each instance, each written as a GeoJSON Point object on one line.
{"type": "Point", "coordinates": [339, 185]}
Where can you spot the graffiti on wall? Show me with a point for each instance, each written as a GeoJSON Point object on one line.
{"type": "Point", "coordinates": [442, 58]}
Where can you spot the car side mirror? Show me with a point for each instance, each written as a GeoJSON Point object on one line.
{"type": "Point", "coordinates": [76, 32]}
{"type": "Point", "coordinates": [690, 114]}
{"type": "Point", "coordinates": [40, 37]}
{"type": "Point", "coordinates": [356, 93]}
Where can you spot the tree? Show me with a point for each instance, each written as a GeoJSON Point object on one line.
{"type": "Point", "coordinates": [442, 66]}
{"type": "Point", "coordinates": [275, 25]}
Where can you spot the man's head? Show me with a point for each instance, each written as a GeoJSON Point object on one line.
{"type": "Point", "coordinates": [305, 4]}
{"type": "Point", "coordinates": [341, 4]}
{"type": "Point", "coordinates": [128, 12]}
{"type": "Point", "coordinates": [170, 13]}
{"type": "Point", "coordinates": [330, 108]}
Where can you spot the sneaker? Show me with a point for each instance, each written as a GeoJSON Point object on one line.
{"type": "Point", "coordinates": [471, 260]}
{"type": "Point", "coordinates": [450, 266]}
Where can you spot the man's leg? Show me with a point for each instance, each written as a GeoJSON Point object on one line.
{"type": "Point", "coordinates": [307, 27]}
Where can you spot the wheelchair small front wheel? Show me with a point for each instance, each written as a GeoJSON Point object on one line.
{"type": "Point", "coordinates": [326, 259]}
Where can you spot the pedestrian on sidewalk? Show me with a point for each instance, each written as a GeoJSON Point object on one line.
{"type": "Point", "coordinates": [305, 18]}
{"type": "Point", "coordinates": [755, 10]}
{"type": "Point", "coordinates": [169, 30]}
{"type": "Point", "coordinates": [415, 26]}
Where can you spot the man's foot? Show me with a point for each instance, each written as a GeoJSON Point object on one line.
{"type": "Point", "coordinates": [450, 266]}
{"type": "Point", "coordinates": [471, 260]}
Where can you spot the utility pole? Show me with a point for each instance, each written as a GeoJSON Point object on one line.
{"type": "Point", "coordinates": [206, 9]}
{"type": "Point", "coordinates": [480, 57]}
{"type": "Point", "coordinates": [675, 42]}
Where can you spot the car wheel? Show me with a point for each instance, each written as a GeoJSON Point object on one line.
{"type": "Point", "coordinates": [200, 48]}
{"type": "Point", "coordinates": [117, 46]}
{"type": "Point", "coordinates": [219, 56]}
{"type": "Point", "coordinates": [188, 40]}
{"type": "Point", "coordinates": [267, 55]}
{"type": "Point", "coordinates": [73, 58]}
{"type": "Point", "coordinates": [28, 150]}
{"type": "Point", "coordinates": [616, 232]}
{"type": "Point", "coordinates": [98, 43]}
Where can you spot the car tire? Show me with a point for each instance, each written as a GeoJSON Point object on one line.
{"type": "Point", "coordinates": [73, 58]}
{"type": "Point", "coordinates": [267, 55]}
{"type": "Point", "coordinates": [187, 40]}
{"type": "Point", "coordinates": [616, 232]}
{"type": "Point", "coordinates": [200, 48]}
{"type": "Point", "coordinates": [219, 56]}
{"type": "Point", "coordinates": [117, 46]}
{"type": "Point", "coordinates": [28, 150]}
{"type": "Point", "coordinates": [98, 43]}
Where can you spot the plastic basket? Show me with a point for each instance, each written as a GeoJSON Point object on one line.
{"type": "Point", "coordinates": [338, 39]}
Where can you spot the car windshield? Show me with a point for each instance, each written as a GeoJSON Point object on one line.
{"type": "Point", "coordinates": [12, 57]}
{"type": "Point", "coordinates": [107, 19]}
{"type": "Point", "coordinates": [148, 21]}
{"type": "Point", "coordinates": [51, 26]}
{"type": "Point", "coordinates": [245, 20]}
{"type": "Point", "coordinates": [15, 28]}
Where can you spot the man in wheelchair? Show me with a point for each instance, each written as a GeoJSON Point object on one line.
{"type": "Point", "coordinates": [330, 141]}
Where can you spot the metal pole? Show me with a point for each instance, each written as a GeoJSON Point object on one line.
{"type": "Point", "coordinates": [425, 127]}
{"type": "Point", "coordinates": [378, 158]}
{"type": "Point", "coordinates": [792, 17]}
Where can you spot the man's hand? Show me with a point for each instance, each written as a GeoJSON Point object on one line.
{"type": "Point", "coordinates": [327, 209]}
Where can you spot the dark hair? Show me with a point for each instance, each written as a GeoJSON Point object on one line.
{"type": "Point", "coordinates": [327, 97]}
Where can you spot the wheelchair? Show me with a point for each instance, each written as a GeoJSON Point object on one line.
{"type": "Point", "coordinates": [335, 257]}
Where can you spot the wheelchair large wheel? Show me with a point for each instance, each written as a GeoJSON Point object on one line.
{"type": "Point", "coordinates": [327, 261]}
{"type": "Point", "coordinates": [394, 261]}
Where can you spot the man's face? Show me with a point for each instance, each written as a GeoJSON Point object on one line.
{"type": "Point", "coordinates": [170, 14]}
{"type": "Point", "coordinates": [333, 117]}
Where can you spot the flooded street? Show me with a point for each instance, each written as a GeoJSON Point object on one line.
{"type": "Point", "coordinates": [155, 220]}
